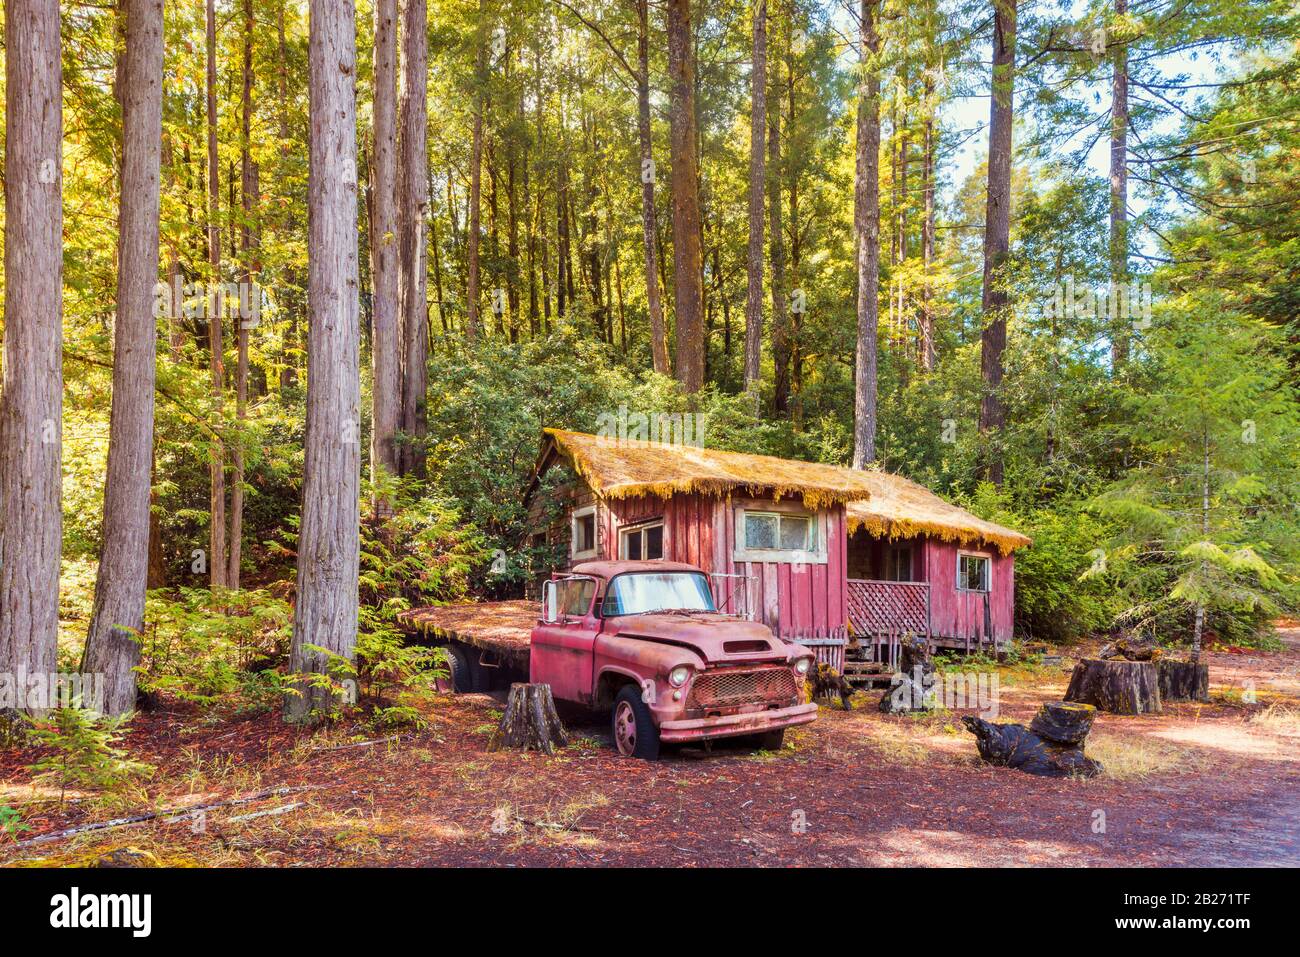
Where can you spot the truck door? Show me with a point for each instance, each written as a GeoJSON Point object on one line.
{"type": "Point", "coordinates": [563, 643]}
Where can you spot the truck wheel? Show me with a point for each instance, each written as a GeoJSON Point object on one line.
{"type": "Point", "coordinates": [770, 740]}
{"type": "Point", "coordinates": [635, 734]}
{"type": "Point", "coordinates": [459, 676]}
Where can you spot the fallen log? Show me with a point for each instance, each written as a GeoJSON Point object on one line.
{"type": "Point", "coordinates": [1116, 686]}
{"type": "Point", "coordinates": [530, 721]}
{"type": "Point", "coordinates": [1029, 750]}
{"type": "Point", "coordinates": [1131, 649]}
{"type": "Point", "coordinates": [172, 814]}
{"type": "Point", "coordinates": [1183, 680]}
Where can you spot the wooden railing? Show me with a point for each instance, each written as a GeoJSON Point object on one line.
{"type": "Point", "coordinates": [889, 608]}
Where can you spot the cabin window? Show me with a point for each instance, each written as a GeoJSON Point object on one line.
{"type": "Point", "coordinates": [584, 532]}
{"type": "Point", "coordinates": [898, 564]}
{"type": "Point", "coordinates": [973, 572]}
{"type": "Point", "coordinates": [778, 533]}
{"type": "Point", "coordinates": [642, 542]}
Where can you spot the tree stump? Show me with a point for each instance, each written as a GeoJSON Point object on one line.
{"type": "Point", "coordinates": [530, 721]}
{"type": "Point", "coordinates": [1183, 681]}
{"type": "Point", "coordinates": [914, 690]}
{"type": "Point", "coordinates": [1065, 722]}
{"type": "Point", "coordinates": [1052, 746]}
{"type": "Point", "coordinates": [1116, 686]}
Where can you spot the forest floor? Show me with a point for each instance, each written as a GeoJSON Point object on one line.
{"type": "Point", "coordinates": [1212, 784]}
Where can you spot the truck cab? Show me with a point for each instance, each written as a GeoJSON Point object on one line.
{"type": "Point", "coordinates": [645, 640]}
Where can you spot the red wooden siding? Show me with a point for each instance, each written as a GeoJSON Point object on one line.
{"type": "Point", "coordinates": [960, 615]}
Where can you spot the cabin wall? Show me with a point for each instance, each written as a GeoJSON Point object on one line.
{"type": "Point", "coordinates": [961, 615]}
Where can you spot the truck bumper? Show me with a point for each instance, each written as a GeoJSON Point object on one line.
{"type": "Point", "coordinates": [731, 725]}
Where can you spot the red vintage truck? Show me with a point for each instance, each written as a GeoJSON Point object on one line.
{"type": "Point", "coordinates": [642, 640]}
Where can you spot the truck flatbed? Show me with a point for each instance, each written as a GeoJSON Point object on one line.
{"type": "Point", "coordinates": [503, 628]}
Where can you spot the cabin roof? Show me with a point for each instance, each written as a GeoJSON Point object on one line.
{"type": "Point", "coordinates": [900, 508]}
{"type": "Point", "coordinates": [624, 468]}
{"type": "Point", "coordinates": [886, 505]}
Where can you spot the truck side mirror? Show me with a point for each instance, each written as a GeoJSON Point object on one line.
{"type": "Point", "coordinates": [550, 602]}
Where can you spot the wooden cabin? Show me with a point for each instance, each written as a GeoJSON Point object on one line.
{"type": "Point", "coordinates": [842, 560]}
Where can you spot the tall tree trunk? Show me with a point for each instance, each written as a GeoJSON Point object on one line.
{"type": "Point", "coordinates": [1119, 193]}
{"type": "Point", "coordinates": [248, 308]}
{"type": "Point", "coordinates": [866, 228]}
{"type": "Point", "coordinates": [776, 239]}
{"type": "Point", "coordinates": [31, 401]}
{"type": "Point", "coordinates": [386, 342]}
{"type": "Point", "coordinates": [215, 305]}
{"type": "Point", "coordinates": [117, 618]}
{"type": "Point", "coordinates": [325, 614]}
{"type": "Point", "coordinates": [649, 228]}
{"type": "Point", "coordinates": [997, 238]}
{"type": "Point", "coordinates": [927, 232]}
{"type": "Point", "coordinates": [472, 321]}
{"type": "Point", "coordinates": [688, 268]}
{"type": "Point", "coordinates": [757, 173]}
{"type": "Point", "coordinates": [413, 207]}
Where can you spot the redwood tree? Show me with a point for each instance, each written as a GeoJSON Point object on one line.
{"type": "Point", "coordinates": [997, 237]}
{"type": "Point", "coordinates": [413, 203]}
{"type": "Point", "coordinates": [757, 167]}
{"type": "Point", "coordinates": [866, 229]}
{"type": "Point", "coordinates": [31, 401]}
{"type": "Point", "coordinates": [325, 614]}
{"type": "Point", "coordinates": [688, 271]}
{"type": "Point", "coordinates": [385, 358]}
{"type": "Point", "coordinates": [217, 466]}
{"type": "Point", "coordinates": [117, 618]}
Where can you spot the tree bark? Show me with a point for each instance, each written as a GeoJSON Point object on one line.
{"type": "Point", "coordinates": [473, 323]}
{"type": "Point", "coordinates": [1119, 192]}
{"type": "Point", "coordinates": [688, 268]}
{"type": "Point", "coordinates": [117, 618]}
{"type": "Point", "coordinates": [866, 228]}
{"type": "Point", "coordinates": [1183, 680]}
{"type": "Point", "coordinates": [530, 721]}
{"type": "Point", "coordinates": [1116, 686]}
{"type": "Point", "coordinates": [776, 242]}
{"type": "Point", "coordinates": [325, 614]}
{"type": "Point", "coordinates": [215, 304]}
{"type": "Point", "coordinates": [385, 342]}
{"type": "Point", "coordinates": [649, 228]}
{"type": "Point", "coordinates": [249, 300]}
{"type": "Point", "coordinates": [997, 238]}
{"type": "Point", "coordinates": [757, 181]}
{"type": "Point", "coordinates": [414, 205]}
{"type": "Point", "coordinates": [31, 400]}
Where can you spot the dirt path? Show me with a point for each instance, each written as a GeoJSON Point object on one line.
{"type": "Point", "coordinates": [1215, 785]}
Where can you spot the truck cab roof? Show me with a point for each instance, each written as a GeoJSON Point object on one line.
{"type": "Point", "coordinates": [608, 569]}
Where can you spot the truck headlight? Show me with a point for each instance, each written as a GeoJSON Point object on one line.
{"type": "Point", "coordinates": [802, 665]}
{"type": "Point", "coordinates": [677, 677]}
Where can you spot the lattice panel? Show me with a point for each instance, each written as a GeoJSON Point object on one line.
{"type": "Point", "coordinates": [880, 608]}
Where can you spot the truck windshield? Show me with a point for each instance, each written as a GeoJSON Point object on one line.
{"type": "Point", "coordinates": [637, 593]}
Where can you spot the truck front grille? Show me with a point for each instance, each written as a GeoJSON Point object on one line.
{"type": "Point", "coordinates": [719, 690]}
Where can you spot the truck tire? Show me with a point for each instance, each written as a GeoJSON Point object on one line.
{"type": "Point", "coordinates": [480, 678]}
{"type": "Point", "coordinates": [633, 727]}
{"type": "Point", "coordinates": [459, 679]}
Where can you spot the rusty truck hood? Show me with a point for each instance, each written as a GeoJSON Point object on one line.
{"type": "Point", "coordinates": [716, 638]}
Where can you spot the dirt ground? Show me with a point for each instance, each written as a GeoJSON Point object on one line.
{"type": "Point", "coordinates": [1215, 784]}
